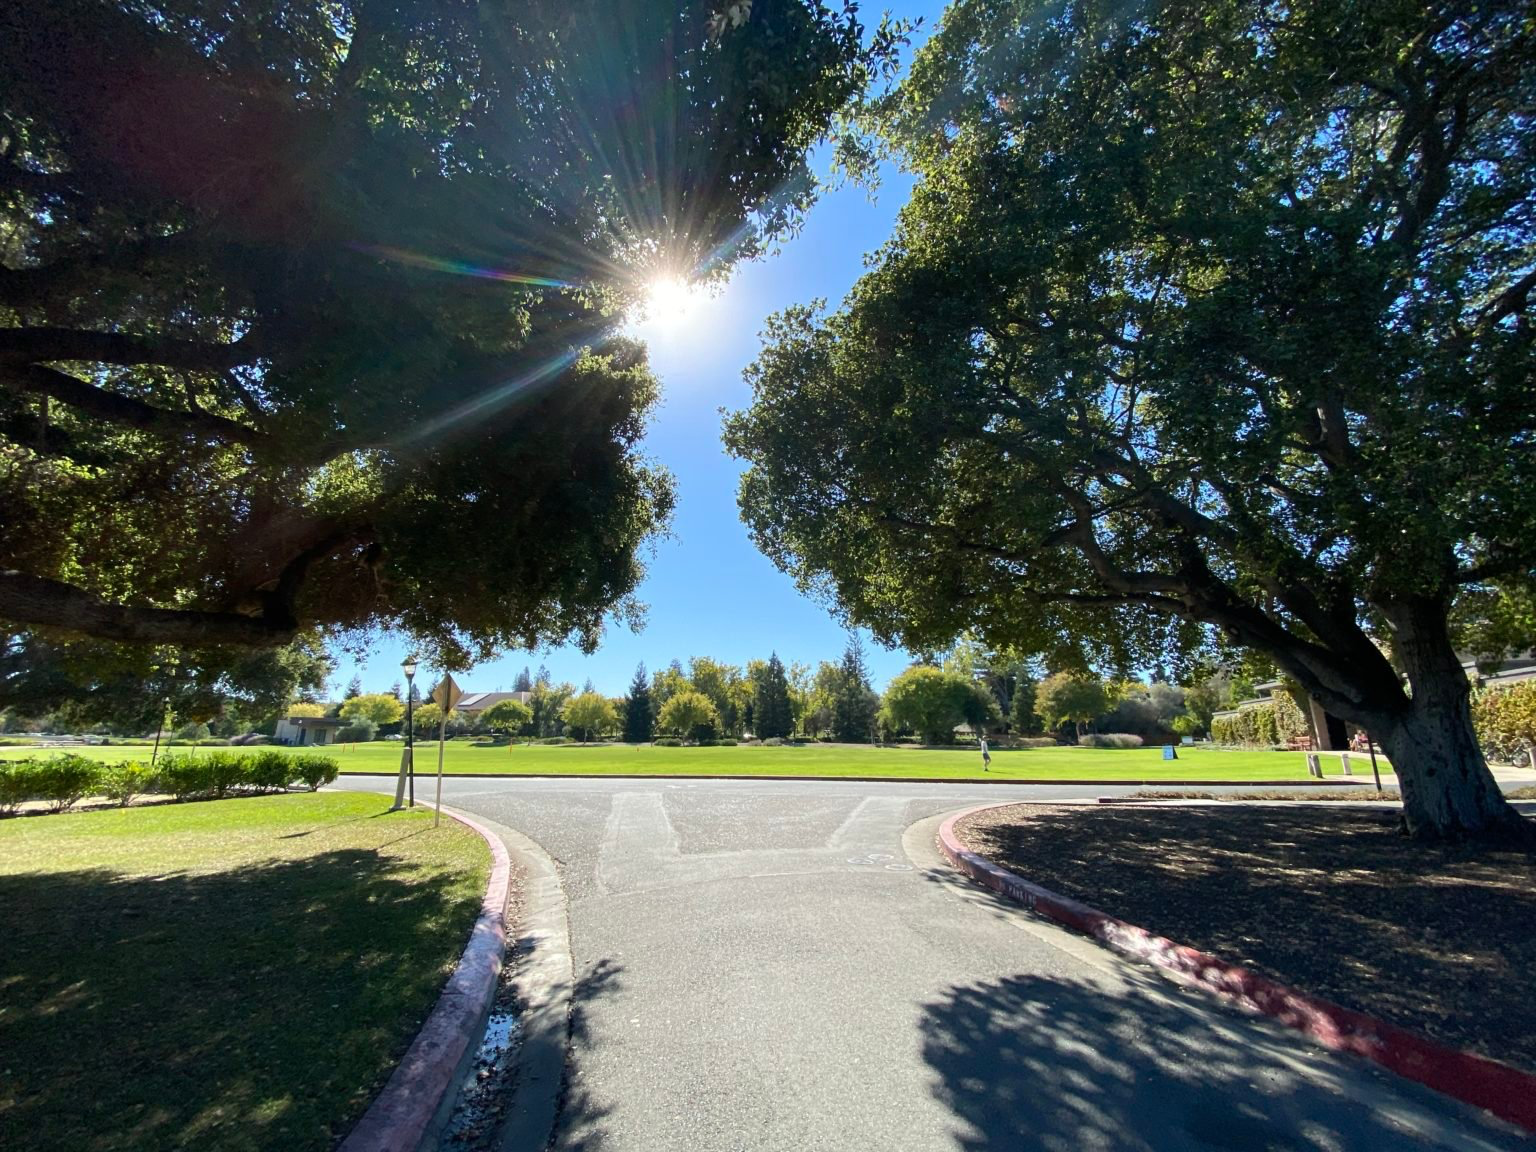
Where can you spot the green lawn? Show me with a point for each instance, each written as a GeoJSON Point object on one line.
{"type": "Point", "coordinates": [230, 975]}
{"type": "Point", "coordinates": [1136, 765]}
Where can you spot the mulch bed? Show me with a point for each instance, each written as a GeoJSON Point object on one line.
{"type": "Point", "coordinates": [1441, 941]}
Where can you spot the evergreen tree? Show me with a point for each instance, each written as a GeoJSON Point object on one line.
{"type": "Point", "coordinates": [639, 718]}
{"type": "Point", "coordinates": [524, 682]}
{"type": "Point", "coordinates": [543, 677]}
{"type": "Point", "coordinates": [1026, 721]}
{"type": "Point", "coordinates": [770, 704]}
{"type": "Point", "coordinates": [588, 687]}
{"type": "Point", "coordinates": [854, 704]}
{"type": "Point", "coordinates": [354, 688]}
{"type": "Point", "coordinates": [394, 690]}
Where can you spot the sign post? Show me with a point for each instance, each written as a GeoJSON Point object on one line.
{"type": "Point", "coordinates": [445, 696]}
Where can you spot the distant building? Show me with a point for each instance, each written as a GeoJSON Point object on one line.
{"type": "Point", "coordinates": [1521, 666]}
{"type": "Point", "coordinates": [471, 704]}
{"type": "Point", "coordinates": [308, 730]}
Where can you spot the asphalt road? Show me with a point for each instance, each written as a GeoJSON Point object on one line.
{"type": "Point", "coordinates": [791, 966]}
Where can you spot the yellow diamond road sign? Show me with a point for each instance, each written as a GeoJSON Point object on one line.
{"type": "Point", "coordinates": [447, 694]}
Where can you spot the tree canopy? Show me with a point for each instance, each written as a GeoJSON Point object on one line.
{"type": "Point", "coordinates": [1070, 698]}
{"type": "Point", "coordinates": [591, 714]}
{"type": "Point", "coordinates": [511, 715]}
{"type": "Point", "coordinates": [375, 708]}
{"type": "Point", "coordinates": [1203, 320]}
{"type": "Point", "coordinates": [930, 701]}
{"type": "Point", "coordinates": [688, 713]}
{"type": "Point", "coordinates": [310, 312]}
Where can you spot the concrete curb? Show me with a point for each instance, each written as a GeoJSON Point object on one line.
{"type": "Point", "coordinates": [403, 1112]}
{"type": "Point", "coordinates": [1309, 783]}
{"type": "Point", "coordinates": [543, 983]}
{"type": "Point", "coordinates": [1507, 1092]}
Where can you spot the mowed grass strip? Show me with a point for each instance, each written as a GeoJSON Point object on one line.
{"type": "Point", "coordinates": [230, 975]}
{"type": "Point", "coordinates": [1129, 765]}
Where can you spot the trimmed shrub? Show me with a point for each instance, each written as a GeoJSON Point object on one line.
{"type": "Point", "coordinates": [186, 777]}
{"type": "Point", "coordinates": [15, 784]}
{"type": "Point", "coordinates": [1110, 740]}
{"type": "Point", "coordinates": [726, 742]}
{"type": "Point", "coordinates": [122, 782]}
{"type": "Point", "coordinates": [63, 780]}
{"type": "Point", "coordinates": [212, 742]}
{"type": "Point", "coordinates": [1035, 742]}
{"type": "Point", "coordinates": [669, 742]}
{"type": "Point", "coordinates": [269, 770]}
{"type": "Point", "coordinates": [356, 733]}
{"type": "Point", "coordinates": [226, 772]}
{"type": "Point", "coordinates": [554, 740]}
{"type": "Point", "coordinates": [314, 771]}
{"type": "Point", "coordinates": [774, 742]}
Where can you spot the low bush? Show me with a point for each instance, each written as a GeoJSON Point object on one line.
{"type": "Point", "coordinates": [554, 740]}
{"type": "Point", "coordinates": [1035, 742]}
{"type": "Point", "coordinates": [356, 733]}
{"type": "Point", "coordinates": [668, 742]}
{"type": "Point", "coordinates": [62, 781]}
{"type": "Point", "coordinates": [1110, 740]}
{"type": "Point", "coordinates": [227, 772]}
{"type": "Point", "coordinates": [15, 784]}
{"type": "Point", "coordinates": [186, 777]}
{"type": "Point", "coordinates": [268, 770]}
{"type": "Point", "coordinates": [314, 771]}
{"type": "Point", "coordinates": [726, 742]}
{"type": "Point", "coordinates": [122, 782]}
{"type": "Point", "coordinates": [213, 742]}
{"type": "Point", "coordinates": [774, 742]}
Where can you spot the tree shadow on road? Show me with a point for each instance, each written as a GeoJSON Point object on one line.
{"type": "Point", "coordinates": [1071, 1066]}
{"type": "Point", "coordinates": [579, 1122]}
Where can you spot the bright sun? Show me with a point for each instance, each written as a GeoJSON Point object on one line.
{"type": "Point", "coordinates": [669, 304]}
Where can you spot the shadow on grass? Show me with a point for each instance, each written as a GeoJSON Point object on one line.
{"type": "Point", "coordinates": [257, 1009]}
{"type": "Point", "coordinates": [1436, 939]}
{"type": "Point", "coordinates": [579, 1123]}
{"type": "Point", "coordinates": [1058, 1064]}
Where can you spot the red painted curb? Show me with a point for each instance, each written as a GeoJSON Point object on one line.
{"type": "Point", "coordinates": [399, 1116]}
{"type": "Point", "coordinates": [1507, 1092]}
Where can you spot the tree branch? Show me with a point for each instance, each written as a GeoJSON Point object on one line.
{"type": "Point", "coordinates": [128, 411]}
{"type": "Point", "coordinates": [33, 345]}
{"type": "Point", "coordinates": [34, 602]}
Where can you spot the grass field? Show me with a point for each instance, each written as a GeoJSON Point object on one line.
{"type": "Point", "coordinates": [1135, 765]}
{"type": "Point", "coordinates": [232, 975]}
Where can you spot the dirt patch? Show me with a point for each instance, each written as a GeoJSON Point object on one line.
{"type": "Point", "coordinates": [1331, 900]}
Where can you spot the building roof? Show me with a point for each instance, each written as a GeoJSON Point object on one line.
{"type": "Point", "coordinates": [317, 721]}
{"type": "Point", "coordinates": [480, 701]}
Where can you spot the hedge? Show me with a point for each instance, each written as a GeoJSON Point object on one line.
{"type": "Point", "coordinates": [1505, 719]}
{"type": "Point", "coordinates": [1110, 740]}
{"type": "Point", "coordinates": [62, 781]}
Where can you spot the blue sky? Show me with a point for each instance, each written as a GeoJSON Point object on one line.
{"type": "Point", "coordinates": [709, 591]}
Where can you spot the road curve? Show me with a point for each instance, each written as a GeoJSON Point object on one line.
{"type": "Point", "coordinates": [784, 966]}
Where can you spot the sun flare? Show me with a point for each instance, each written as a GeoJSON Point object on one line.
{"type": "Point", "coordinates": [668, 304]}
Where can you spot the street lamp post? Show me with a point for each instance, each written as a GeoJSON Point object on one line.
{"type": "Point", "coordinates": [409, 668]}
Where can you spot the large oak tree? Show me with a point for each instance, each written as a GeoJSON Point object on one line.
{"type": "Point", "coordinates": [310, 312]}
{"type": "Point", "coordinates": [1204, 319]}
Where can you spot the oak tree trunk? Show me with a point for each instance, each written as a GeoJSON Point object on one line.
{"type": "Point", "coordinates": [1448, 791]}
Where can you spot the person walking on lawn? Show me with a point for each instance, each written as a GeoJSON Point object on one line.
{"type": "Point", "coordinates": [986, 757]}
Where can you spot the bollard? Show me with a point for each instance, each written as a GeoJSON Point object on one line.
{"type": "Point", "coordinates": [1313, 767]}
{"type": "Point", "coordinates": [1344, 763]}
